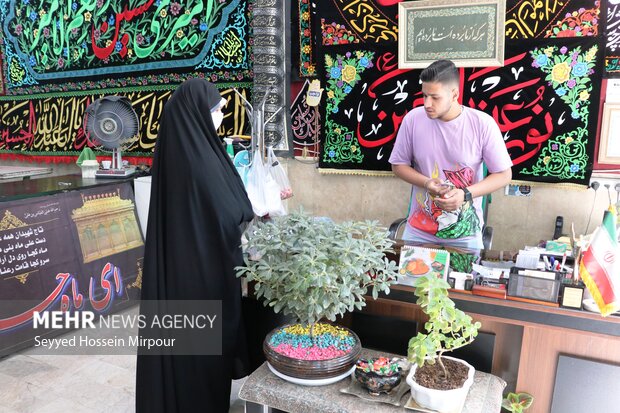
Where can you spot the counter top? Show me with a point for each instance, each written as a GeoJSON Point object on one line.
{"type": "Point", "coordinates": [521, 313]}
{"type": "Point", "coordinates": [29, 188]}
{"type": "Point", "coordinates": [264, 388]}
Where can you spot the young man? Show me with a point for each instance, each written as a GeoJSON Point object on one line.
{"type": "Point", "coordinates": [440, 150]}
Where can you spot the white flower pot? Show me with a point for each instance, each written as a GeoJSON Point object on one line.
{"type": "Point", "coordinates": [443, 401]}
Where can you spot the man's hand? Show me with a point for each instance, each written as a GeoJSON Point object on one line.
{"type": "Point", "coordinates": [436, 188]}
{"type": "Point", "coordinates": [451, 200]}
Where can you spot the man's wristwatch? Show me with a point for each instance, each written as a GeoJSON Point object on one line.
{"type": "Point", "coordinates": [468, 197]}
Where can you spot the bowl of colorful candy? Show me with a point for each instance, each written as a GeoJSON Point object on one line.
{"type": "Point", "coordinates": [326, 352]}
{"type": "Point", "coordinates": [378, 375]}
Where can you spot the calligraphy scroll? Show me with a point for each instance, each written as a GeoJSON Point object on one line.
{"type": "Point", "coordinates": [303, 43]}
{"type": "Point", "coordinates": [59, 252]}
{"type": "Point", "coordinates": [612, 39]}
{"type": "Point", "coordinates": [352, 21]}
{"type": "Point", "coordinates": [343, 22]}
{"type": "Point", "coordinates": [545, 101]}
{"type": "Point", "coordinates": [305, 126]}
{"type": "Point", "coordinates": [528, 19]}
{"type": "Point", "coordinates": [60, 46]}
{"type": "Point", "coordinates": [50, 125]}
{"type": "Point", "coordinates": [366, 97]}
{"type": "Point", "coordinates": [271, 70]}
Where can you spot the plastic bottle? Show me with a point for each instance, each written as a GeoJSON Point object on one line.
{"type": "Point", "coordinates": [229, 148]}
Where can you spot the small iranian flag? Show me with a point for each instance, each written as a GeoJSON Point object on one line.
{"type": "Point", "coordinates": [600, 265]}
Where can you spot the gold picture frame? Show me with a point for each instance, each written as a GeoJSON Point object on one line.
{"type": "Point", "coordinates": [609, 144]}
{"type": "Point", "coordinates": [468, 32]}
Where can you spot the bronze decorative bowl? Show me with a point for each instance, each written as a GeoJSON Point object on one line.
{"type": "Point", "coordinates": [312, 369]}
{"type": "Point", "coordinates": [378, 375]}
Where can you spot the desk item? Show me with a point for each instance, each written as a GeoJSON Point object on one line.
{"type": "Point", "coordinates": [559, 225]}
{"type": "Point", "coordinates": [547, 275]}
{"type": "Point", "coordinates": [11, 172]}
{"type": "Point", "coordinates": [378, 375]}
{"type": "Point", "coordinates": [535, 287]}
{"type": "Point", "coordinates": [459, 279]}
{"type": "Point", "coordinates": [311, 382]}
{"type": "Point", "coordinates": [89, 168]}
{"type": "Point", "coordinates": [590, 305]}
{"type": "Point", "coordinates": [531, 301]}
{"type": "Point", "coordinates": [572, 296]}
{"type": "Point", "coordinates": [112, 125]}
{"type": "Point", "coordinates": [493, 273]}
{"type": "Point", "coordinates": [563, 262]}
{"type": "Point", "coordinates": [528, 259]}
{"type": "Point", "coordinates": [416, 262]}
{"type": "Point", "coordinates": [395, 397]}
{"type": "Point", "coordinates": [554, 246]}
{"type": "Point", "coordinates": [493, 292]}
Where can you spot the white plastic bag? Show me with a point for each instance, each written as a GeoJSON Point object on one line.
{"type": "Point", "coordinates": [279, 174]}
{"type": "Point", "coordinates": [263, 190]}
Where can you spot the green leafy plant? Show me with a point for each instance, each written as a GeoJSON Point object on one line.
{"type": "Point", "coordinates": [447, 329]}
{"type": "Point", "coordinates": [517, 402]}
{"type": "Point", "coordinates": [313, 268]}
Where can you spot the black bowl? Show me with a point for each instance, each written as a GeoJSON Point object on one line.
{"type": "Point", "coordinates": [378, 383]}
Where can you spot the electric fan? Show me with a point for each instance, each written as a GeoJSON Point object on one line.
{"type": "Point", "coordinates": [112, 125]}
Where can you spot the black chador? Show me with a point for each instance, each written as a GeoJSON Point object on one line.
{"type": "Point", "coordinates": [198, 205]}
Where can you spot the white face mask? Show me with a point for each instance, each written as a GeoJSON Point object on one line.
{"type": "Point", "coordinates": [218, 118]}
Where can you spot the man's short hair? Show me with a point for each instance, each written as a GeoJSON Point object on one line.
{"type": "Point", "coordinates": [442, 71]}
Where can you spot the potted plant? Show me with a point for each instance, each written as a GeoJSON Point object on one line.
{"type": "Point", "coordinates": [517, 402]}
{"type": "Point", "coordinates": [314, 269]}
{"type": "Point", "coordinates": [439, 382]}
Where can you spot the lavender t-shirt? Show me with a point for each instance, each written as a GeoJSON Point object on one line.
{"type": "Point", "coordinates": [454, 152]}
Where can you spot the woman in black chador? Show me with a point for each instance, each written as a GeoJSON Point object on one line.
{"type": "Point", "coordinates": [198, 204]}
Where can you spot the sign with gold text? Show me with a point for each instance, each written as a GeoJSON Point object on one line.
{"type": "Point", "coordinates": [79, 250]}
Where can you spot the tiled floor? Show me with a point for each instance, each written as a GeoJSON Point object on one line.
{"type": "Point", "coordinates": [33, 383]}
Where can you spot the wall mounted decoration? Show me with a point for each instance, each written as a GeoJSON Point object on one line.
{"type": "Point", "coordinates": [468, 32]}
{"type": "Point", "coordinates": [56, 54]}
{"type": "Point", "coordinates": [609, 146]}
{"type": "Point", "coordinates": [545, 101]}
{"type": "Point", "coordinates": [304, 41]}
{"type": "Point", "coordinates": [353, 21]}
{"type": "Point", "coordinates": [271, 69]}
{"type": "Point", "coordinates": [51, 128]}
{"type": "Point", "coordinates": [55, 46]}
{"type": "Point", "coordinates": [612, 39]}
{"type": "Point", "coordinates": [305, 126]}
{"type": "Point", "coordinates": [527, 19]}
{"type": "Point", "coordinates": [366, 97]}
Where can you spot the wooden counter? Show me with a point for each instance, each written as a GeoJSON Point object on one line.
{"type": "Point", "coordinates": [528, 338]}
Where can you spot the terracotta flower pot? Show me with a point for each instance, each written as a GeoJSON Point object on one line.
{"type": "Point", "coordinates": [442, 401]}
{"type": "Point", "coordinates": [312, 369]}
